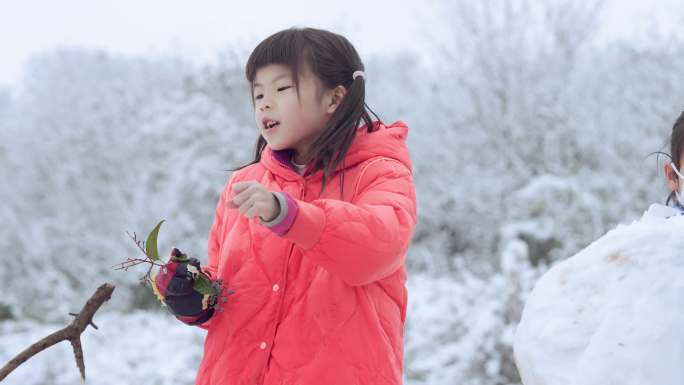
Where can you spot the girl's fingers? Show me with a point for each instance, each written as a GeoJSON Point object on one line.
{"type": "Point", "coordinates": [253, 206]}
{"type": "Point", "coordinates": [239, 186]}
{"type": "Point", "coordinates": [256, 210]}
{"type": "Point", "coordinates": [247, 205]}
{"type": "Point", "coordinates": [234, 203]}
{"type": "Point", "coordinates": [245, 194]}
{"type": "Point", "coordinates": [247, 198]}
{"type": "Point", "coordinates": [252, 211]}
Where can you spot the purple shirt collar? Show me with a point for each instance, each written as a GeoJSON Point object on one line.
{"type": "Point", "coordinates": [284, 157]}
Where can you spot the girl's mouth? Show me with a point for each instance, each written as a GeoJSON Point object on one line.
{"type": "Point", "coordinates": [271, 124]}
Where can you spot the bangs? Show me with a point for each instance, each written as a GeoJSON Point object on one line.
{"type": "Point", "coordinates": [287, 47]}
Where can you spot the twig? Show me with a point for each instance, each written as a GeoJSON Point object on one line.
{"type": "Point", "coordinates": [130, 262]}
{"type": "Point", "coordinates": [71, 333]}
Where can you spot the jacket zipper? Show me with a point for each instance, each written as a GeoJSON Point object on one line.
{"type": "Point", "coordinates": [282, 293]}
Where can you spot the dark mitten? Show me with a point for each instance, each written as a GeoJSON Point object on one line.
{"type": "Point", "coordinates": [173, 284]}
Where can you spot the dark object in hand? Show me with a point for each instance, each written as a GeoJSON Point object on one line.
{"type": "Point", "coordinates": [173, 284]}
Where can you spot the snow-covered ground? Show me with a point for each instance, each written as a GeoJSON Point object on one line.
{"type": "Point", "coordinates": [457, 328]}
{"type": "Point", "coordinates": [611, 314]}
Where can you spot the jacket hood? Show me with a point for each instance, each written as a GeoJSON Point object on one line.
{"type": "Point", "coordinates": [383, 141]}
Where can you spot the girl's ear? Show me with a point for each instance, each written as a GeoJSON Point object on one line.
{"type": "Point", "coordinates": [671, 177]}
{"type": "Point", "coordinates": [336, 96]}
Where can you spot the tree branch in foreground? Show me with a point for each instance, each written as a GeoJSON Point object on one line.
{"type": "Point", "coordinates": [71, 333]}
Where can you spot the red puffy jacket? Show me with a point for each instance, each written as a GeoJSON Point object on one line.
{"type": "Point", "coordinates": [325, 303]}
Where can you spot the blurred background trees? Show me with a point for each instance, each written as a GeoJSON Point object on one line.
{"type": "Point", "coordinates": [530, 138]}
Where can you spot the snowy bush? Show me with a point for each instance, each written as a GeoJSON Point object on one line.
{"type": "Point", "coordinates": [460, 328]}
{"type": "Point", "coordinates": [102, 145]}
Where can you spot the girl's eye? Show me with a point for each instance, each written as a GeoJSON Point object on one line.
{"type": "Point", "coordinates": [279, 89]}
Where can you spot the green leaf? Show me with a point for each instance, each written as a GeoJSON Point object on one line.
{"type": "Point", "coordinates": [151, 243]}
{"type": "Point", "coordinates": [203, 285]}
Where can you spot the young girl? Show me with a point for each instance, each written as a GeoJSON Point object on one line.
{"type": "Point", "coordinates": [674, 174]}
{"type": "Point", "coordinates": [312, 235]}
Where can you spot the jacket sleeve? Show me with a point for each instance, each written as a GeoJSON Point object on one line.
{"type": "Point", "coordinates": [364, 240]}
{"type": "Point", "coordinates": [288, 211]}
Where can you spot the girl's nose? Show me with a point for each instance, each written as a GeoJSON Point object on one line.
{"type": "Point", "coordinates": [265, 103]}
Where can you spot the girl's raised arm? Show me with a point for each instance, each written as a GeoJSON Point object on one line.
{"type": "Point", "coordinates": [366, 240]}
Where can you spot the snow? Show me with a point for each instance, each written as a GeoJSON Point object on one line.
{"type": "Point", "coordinates": [611, 314]}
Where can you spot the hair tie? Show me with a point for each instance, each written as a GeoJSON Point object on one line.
{"type": "Point", "coordinates": [359, 73]}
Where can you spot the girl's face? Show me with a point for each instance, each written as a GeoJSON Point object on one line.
{"type": "Point", "coordinates": [673, 181]}
{"type": "Point", "coordinates": [299, 120]}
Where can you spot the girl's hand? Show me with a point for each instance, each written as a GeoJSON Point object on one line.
{"type": "Point", "coordinates": [254, 200]}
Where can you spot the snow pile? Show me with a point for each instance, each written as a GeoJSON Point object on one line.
{"type": "Point", "coordinates": [611, 314]}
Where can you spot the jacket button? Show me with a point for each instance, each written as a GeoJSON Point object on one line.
{"type": "Point", "coordinates": [263, 345]}
{"type": "Point", "coordinates": [276, 287]}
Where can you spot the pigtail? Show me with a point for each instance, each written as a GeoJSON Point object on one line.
{"type": "Point", "coordinates": [339, 135]}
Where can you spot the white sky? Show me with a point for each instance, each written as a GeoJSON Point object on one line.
{"type": "Point", "coordinates": [200, 28]}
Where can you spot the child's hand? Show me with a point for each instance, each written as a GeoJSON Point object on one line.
{"type": "Point", "coordinates": [254, 200]}
{"type": "Point", "coordinates": [173, 285]}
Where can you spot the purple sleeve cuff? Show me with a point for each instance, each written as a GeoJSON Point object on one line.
{"type": "Point", "coordinates": [281, 226]}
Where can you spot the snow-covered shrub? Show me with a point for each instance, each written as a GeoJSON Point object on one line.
{"type": "Point", "coordinates": [102, 145]}
{"type": "Point", "coordinates": [460, 328]}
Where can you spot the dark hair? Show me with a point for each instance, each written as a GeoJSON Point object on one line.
{"type": "Point", "coordinates": [333, 60]}
{"type": "Point", "coordinates": [676, 147]}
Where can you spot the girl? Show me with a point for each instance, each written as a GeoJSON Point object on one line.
{"type": "Point", "coordinates": [674, 175]}
{"type": "Point", "coordinates": [312, 235]}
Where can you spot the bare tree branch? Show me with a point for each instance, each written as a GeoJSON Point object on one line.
{"type": "Point", "coordinates": [71, 333]}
